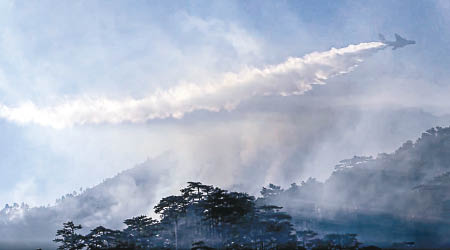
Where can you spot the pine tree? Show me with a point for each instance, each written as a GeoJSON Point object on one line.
{"type": "Point", "coordinates": [70, 240]}
{"type": "Point", "coordinates": [141, 231]}
{"type": "Point", "coordinates": [171, 208]}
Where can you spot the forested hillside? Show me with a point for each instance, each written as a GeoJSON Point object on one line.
{"type": "Point", "coordinates": [108, 203]}
{"type": "Point", "coordinates": [395, 200]}
{"type": "Point", "coordinates": [403, 195]}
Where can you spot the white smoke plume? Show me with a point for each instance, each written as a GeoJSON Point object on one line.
{"type": "Point", "coordinates": [295, 76]}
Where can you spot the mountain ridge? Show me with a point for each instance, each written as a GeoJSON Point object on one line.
{"type": "Point", "coordinates": [394, 187]}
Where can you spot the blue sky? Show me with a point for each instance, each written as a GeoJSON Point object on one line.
{"type": "Point", "coordinates": [51, 51]}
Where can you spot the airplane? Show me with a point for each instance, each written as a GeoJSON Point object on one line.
{"type": "Point", "coordinates": [398, 43]}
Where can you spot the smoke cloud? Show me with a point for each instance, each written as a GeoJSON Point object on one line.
{"type": "Point", "coordinates": [295, 76]}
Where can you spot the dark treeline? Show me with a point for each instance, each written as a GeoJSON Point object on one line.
{"type": "Point", "coordinates": [205, 217]}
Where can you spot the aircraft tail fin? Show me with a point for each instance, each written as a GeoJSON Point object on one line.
{"type": "Point", "coordinates": [398, 38]}
{"type": "Point", "coordinates": [381, 37]}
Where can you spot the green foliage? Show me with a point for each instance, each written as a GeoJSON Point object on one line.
{"type": "Point", "coordinates": [202, 217]}
{"type": "Point", "coordinates": [68, 238]}
{"type": "Point", "coordinates": [271, 191]}
{"type": "Point", "coordinates": [103, 238]}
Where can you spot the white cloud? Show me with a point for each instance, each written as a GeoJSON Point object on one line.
{"type": "Point", "coordinates": [240, 39]}
{"type": "Point", "coordinates": [295, 76]}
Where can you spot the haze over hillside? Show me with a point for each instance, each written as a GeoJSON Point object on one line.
{"type": "Point", "coordinates": [402, 196]}
{"type": "Point", "coordinates": [408, 186]}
